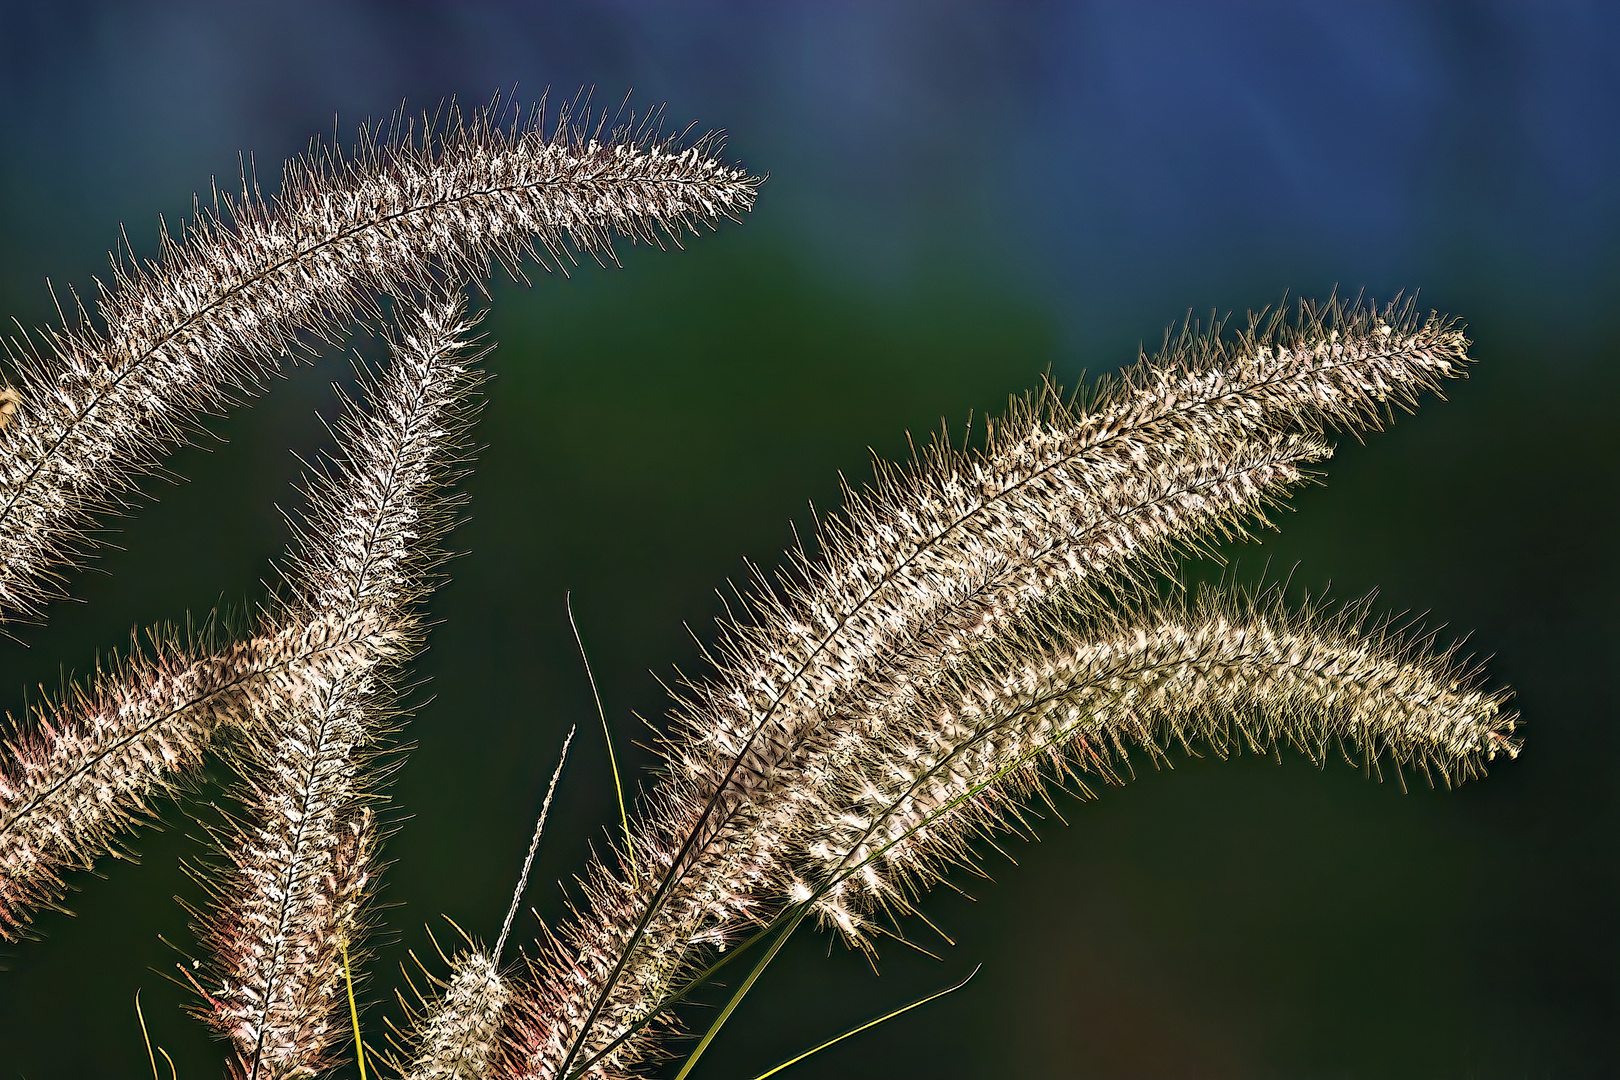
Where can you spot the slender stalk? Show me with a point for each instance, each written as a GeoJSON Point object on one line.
{"type": "Point", "coordinates": [607, 739]}
{"type": "Point", "coordinates": [456, 1035]}
{"type": "Point", "coordinates": [868, 1026]}
{"type": "Point", "coordinates": [781, 939]}
{"type": "Point", "coordinates": [354, 1012]}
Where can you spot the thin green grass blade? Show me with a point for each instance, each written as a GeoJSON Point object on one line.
{"type": "Point", "coordinates": [354, 1010]}
{"type": "Point", "coordinates": [148, 1039]}
{"type": "Point", "coordinates": [692, 985]}
{"type": "Point", "coordinates": [885, 1018]}
{"type": "Point", "coordinates": [607, 737]}
{"type": "Point", "coordinates": [742, 992]}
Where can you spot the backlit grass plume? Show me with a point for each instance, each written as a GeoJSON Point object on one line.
{"type": "Point", "coordinates": [186, 334]}
{"type": "Point", "coordinates": [904, 796]}
{"type": "Point", "coordinates": [253, 279]}
{"type": "Point", "coordinates": [969, 630]}
{"type": "Point", "coordinates": [302, 853]}
{"type": "Point", "coordinates": [82, 770]}
{"type": "Point", "coordinates": [1070, 505]}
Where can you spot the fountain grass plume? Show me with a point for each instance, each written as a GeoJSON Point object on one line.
{"type": "Point", "coordinates": [250, 283]}
{"type": "Point", "coordinates": [288, 910]}
{"type": "Point", "coordinates": [1078, 502]}
{"type": "Point", "coordinates": [1071, 695]}
{"type": "Point", "coordinates": [255, 280]}
{"type": "Point", "coordinates": [86, 767]}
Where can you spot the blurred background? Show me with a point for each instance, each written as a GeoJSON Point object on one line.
{"type": "Point", "coordinates": [961, 197]}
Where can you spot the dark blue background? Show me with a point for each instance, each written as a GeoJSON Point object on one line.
{"type": "Point", "coordinates": [961, 196]}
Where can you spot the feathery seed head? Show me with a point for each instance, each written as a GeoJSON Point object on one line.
{"type": "Point", "coordinates": [302, 856]}
{"type": "Point", "coordinates": [222, 307]}
{"type": "Point", "coordinates": [1180, 450]}
{"type": "Point", "coordinates": [958, 636]}
{"type": "Point", "coordinates": [1074, 503]}
{"type": "Point", "coordinates": [457, 1036]}
{"type": "Point", "coordinates": [368, 539]}
{"type": "Point", "coordinates": [86, 768]}
{"type": "Point", "coordinates": [1071, 691]}
{"type": "Point", "coordinates": [301, 863]}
